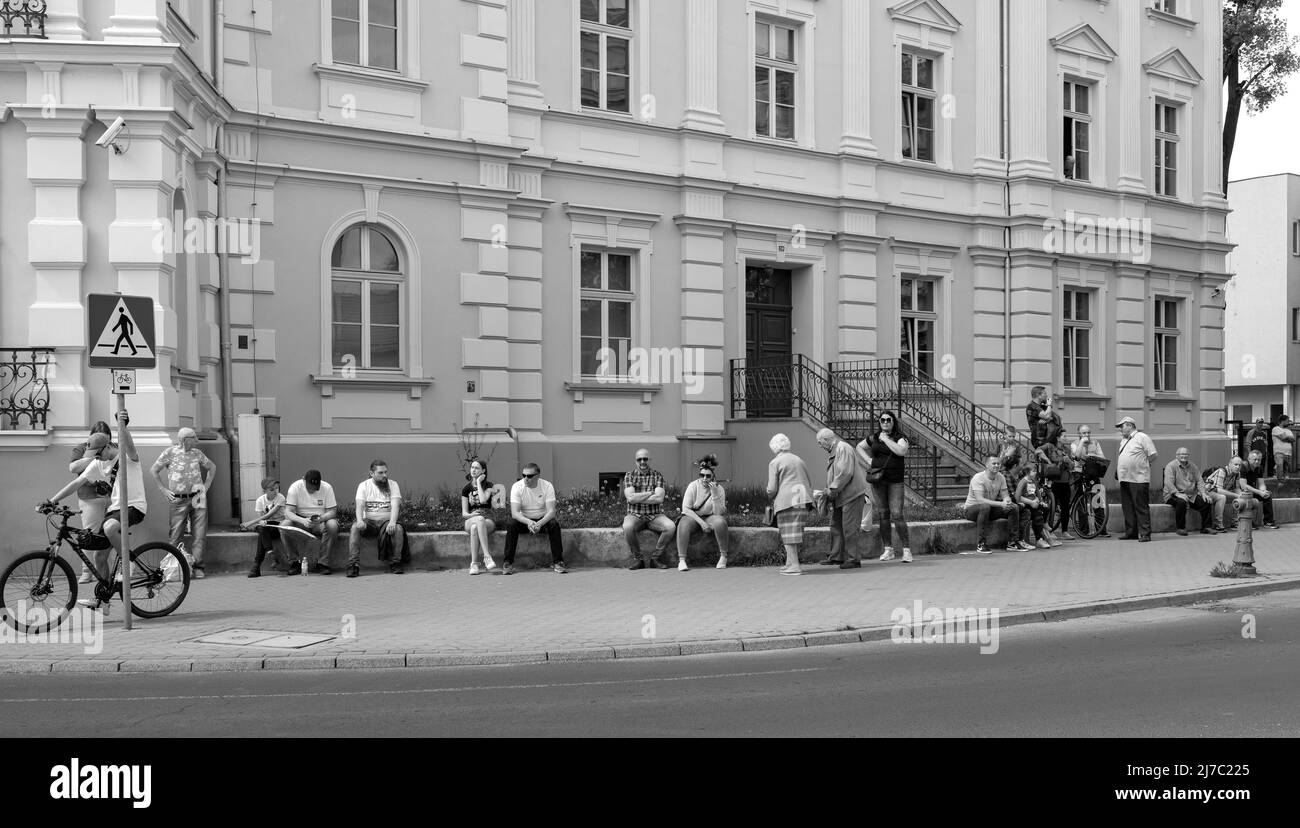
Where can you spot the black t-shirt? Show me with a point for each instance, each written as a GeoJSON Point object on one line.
{"type": "Point", "coordinates": [471, 493]}
{"type": "Point", "coordinates": [882, 457]}
{"type": "Point", "coordinates": [1252, 476]}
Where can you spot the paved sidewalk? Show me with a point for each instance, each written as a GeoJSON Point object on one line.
{"type": "Point", "coordinates": [442, 618]}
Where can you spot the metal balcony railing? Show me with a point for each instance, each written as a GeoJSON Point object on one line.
{"type": "Point", "coordinates": [25, 388]}
{"type": "Point", "coordinates": [28, 14]}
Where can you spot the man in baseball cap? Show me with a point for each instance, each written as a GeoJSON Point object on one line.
{"type": "Point", "coordinates": [1136, 451]}
{"type": "Point", "coordinates": [310, 505]}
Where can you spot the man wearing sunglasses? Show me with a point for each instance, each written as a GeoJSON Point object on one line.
{"type": "Point", "coordinates": [644, 489]}
{"type": "Point", "coordinates": [532, 508]}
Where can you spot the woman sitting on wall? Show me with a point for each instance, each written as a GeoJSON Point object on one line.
{"type": "Point", "coordinates": [476, 503]}
{"type": "Point", "coordinates": [703, 505]}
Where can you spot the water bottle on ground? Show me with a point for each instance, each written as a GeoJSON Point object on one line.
{"type": "Point", "coordinates": [304, 565]}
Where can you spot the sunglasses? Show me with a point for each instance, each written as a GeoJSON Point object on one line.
{"type": "Point", "coordinates": [529, 476]}
{"type": "Point", "coordinates": [886, 419]}
{"type": "Point", "coordinates": [643, 459]}
{"type": "Point", "coordinates": [705, 476]}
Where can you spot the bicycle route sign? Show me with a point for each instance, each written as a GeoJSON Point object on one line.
{"type": "Point", "coordinates": [120, 331]}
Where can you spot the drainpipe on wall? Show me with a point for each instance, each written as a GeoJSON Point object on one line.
{"type": "Point", "coordinates": [228, 422]}
{"type": "Point", "coordinates": [219, 46]}
{"type": "Point", "coordinates": [1004, 44]}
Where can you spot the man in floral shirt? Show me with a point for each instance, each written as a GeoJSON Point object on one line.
{"type": "Point", "coordinates": [184, 474]}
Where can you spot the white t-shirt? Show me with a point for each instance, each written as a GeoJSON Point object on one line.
{"type": "Point", "coordinates": [1282, 439]}
{"type": "Point", "coordinates": [532, 502]}
{"type": "Point", "coordinates": [378, 506]}
{"type": "Point", "coordinates": [1134, 458]}
{"type": "Point", "coordinates": [102, 470]}
{"type": "Point", "coordinates": [265, 505]}
{"type": "Point", "coordinates": [307, 504]}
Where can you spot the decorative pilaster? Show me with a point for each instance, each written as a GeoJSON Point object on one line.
{"type": "Point", "coordinates": [1033, 284]}
{"type": "Point", "coordinates": [485, 294]}
{"type": "Point", "coordinates": [1210, 360]}
{"type": "Point", "coordinates": [988, 326]}
{"type": "Point", "coordinates": [1212, 114]}
{"type": "Point", "coordinates": [702, 67]}
{"type": "Point", "coordinates": [525, 310]}
{"type": "Point", "coordinates": [704, 407]}
{"type": "Point", "coordinates": [856, 51]}
{"type": "Point", "coordinates": [142, 181]}
{"type": "Point", "coordinates": [137, 21]}
{"type": "Point", "coordinates": [1132, 364]}
{"type": "Point", "coordinates": [484, 114]}
{"type": "Point", "coordinates": [988, 91]}
{"type": "Point", "coordinates": [1028, 65]}
{"type": "Point", "coordinates": [522, 59]}
{"type": "Point", "coordinates": [56, 249]}
{"type": "Point", "coordinates": [858, 323]}
{"type": "Point", "coordinates": [65, 20]}
{"type": "Point", "coordinates": [1131, 178]}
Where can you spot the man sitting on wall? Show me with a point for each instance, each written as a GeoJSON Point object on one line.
{"type": "Point", "coordinates": [1252, 480]}
{"type": "Point", "coordinates": [310, 506]}
{"type": "Point", "coordinates": [1184, 488]}
{"type": "Point", "coordinates": [990, 499]}
{"type": "Point", "coordinates": [379, 505]}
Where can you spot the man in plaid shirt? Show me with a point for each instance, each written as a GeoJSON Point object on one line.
{"type": "Point", "coordinates": [644, 489]}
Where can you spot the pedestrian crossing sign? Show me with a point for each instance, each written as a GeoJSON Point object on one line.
{"type": "Point", "coordinates": [121, 331]}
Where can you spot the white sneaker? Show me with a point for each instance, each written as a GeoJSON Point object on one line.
{"type": "Point", "coordinates": [722, 562]}
{"type": "Point", "coordinates": [907, 555]}
{"type": "Point", "coordinates": [1042, 544]}
{"type": "Point", "coordinates": [85, 576]}
{"type": "Point", "coordinates": [488, 562]}
{"type": "Point", "coordinates": [681, 565]}
{"type": "Point", "coordinates": [473, 568]}
{"type": "Point", "coordinates": [889, 554]}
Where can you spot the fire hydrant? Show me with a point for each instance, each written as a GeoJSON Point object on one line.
{"type": "Point", "coordinates": [1243, 559]}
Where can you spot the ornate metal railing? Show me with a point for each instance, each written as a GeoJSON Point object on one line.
{"type": "Point", "coordinates": [802, 389]}
{"type": "Point", "coordinates": [970, 431]}
{"type": "Point", "coordinates": [30, 14]}
{"type": "Point", "coordinates": [25, 388]}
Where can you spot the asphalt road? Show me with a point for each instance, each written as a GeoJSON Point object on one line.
{"type": "Point", "coordinates": [1183, 672]}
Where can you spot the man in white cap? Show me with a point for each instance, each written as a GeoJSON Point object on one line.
{"type": "Point", "coordinates": [1133, 467]}
{"type": "Point", "coordinates": [184, 474]}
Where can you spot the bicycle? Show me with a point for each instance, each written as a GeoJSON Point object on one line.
{"type": "Point", "coordinates": [1088, 510]}
{"type": "Point", "coordinates": [160, 577]}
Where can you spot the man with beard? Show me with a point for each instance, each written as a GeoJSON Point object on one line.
{"type": "Point", "coordinates": [379, 504]}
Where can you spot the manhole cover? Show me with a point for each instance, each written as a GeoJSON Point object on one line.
{"type": "Point", "coordinates": [273, 639]}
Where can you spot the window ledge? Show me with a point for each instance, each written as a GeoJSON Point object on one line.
{"type": "Point", "coordinates": [1176, 19]}
{"type": "Point", "coordinates": [372, 382]}
{"type": "Point", "coordinates": [1083, 395]}
{"type": "Point", "coordinates": [606, 114]}
{"type": "Point", "coordinates": [1173, 201]}
{"type": "Point", "coordinates": [1162, 397]}
{"type": "Point", "coordinates": [579, 388]}
{"type": "Point", "coordinates": [25, 440]}
{"type": "Point", "coordinates": [362, 73]}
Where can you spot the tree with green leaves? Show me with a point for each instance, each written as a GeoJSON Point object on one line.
{"type": "Point", "coordinates": [1258, 55]}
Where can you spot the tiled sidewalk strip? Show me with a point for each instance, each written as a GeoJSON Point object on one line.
{"type": "Point", "coordinates": [355, 660]}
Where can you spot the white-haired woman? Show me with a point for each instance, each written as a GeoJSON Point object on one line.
{"type": "Point", "coordinates": [790, 488]}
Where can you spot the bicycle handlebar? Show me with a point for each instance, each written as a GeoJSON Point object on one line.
{"type": "Point", "coordinates": [55, 509]}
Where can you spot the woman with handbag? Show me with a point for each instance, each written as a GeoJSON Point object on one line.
{"type": "Point", "coordinates": [703, 505]}
{"type": "Point", "coordinates": [1056, 467]}
{"type": "Point", "coordinates": [883, 454]}
{"type": "Point", "coordinates": [790, 488]}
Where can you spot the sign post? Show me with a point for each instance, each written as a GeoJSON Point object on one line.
{"type": "Point", "coordinates": [117, 324]}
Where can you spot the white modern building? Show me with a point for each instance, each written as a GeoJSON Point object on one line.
{"type": "Point", "coordinates": [1262, 332]}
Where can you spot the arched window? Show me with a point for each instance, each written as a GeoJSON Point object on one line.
{"type": "Point", "coordinates": [367, 288]}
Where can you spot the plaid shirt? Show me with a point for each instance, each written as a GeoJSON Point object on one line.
{"type": "Point", "coordinates": [644, 481]}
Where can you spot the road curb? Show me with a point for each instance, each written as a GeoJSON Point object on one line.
{"type": "Point", "coordinates": [367, 661]}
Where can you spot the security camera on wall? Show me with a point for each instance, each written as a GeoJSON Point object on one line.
{"type": "Point", "coordinates": [109, 138]}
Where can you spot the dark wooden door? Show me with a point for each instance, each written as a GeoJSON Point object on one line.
{"type": "Point", "coordinates": [768, 346]}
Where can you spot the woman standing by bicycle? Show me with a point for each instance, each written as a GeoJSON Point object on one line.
{"type": "Point", "coordinates": [1080, 450]}
{"type": "Point", "coordinates": [1055, 467]}
{"type": "Point", "coordinates": [883, 452]}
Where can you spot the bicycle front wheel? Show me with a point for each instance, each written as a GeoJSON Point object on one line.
{"type": "Point", "coordinates": [1088, 518]}
{"type": "Point", "coordinates": [160, 579]}
{"type": "Point", "coordinates": [38, 591]}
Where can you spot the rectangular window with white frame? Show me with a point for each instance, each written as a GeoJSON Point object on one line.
{"type": "Point", "coordinates": [919, 322]}
{"type": "Point", "coordinates": [1166, 149]}
{"type": "Point", "coordinates": [1295, 238]}
{"type": "Point", "coordinates": [1166, 334]}
{"type": "Point", "coordinates": [1076, 131]}
{"type": "Point", "coordinates": [1167, 6]}
{"type": "Point", "coordinates": [365, 33]}
{"type": "Point", "coordinates": [776, 72]}
{"type": "Point", "coordinates": [606, 302]}
{"type": "Point", "coordinates": [1295, 325]}
{"type": "Point", "coordinates": [605, 47]}
{"type": "Point", "coordinates": [1077, 339]}
{"type": "Point", "coordinates": [920, 99]}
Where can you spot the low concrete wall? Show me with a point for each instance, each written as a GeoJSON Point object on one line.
{"type": "Point", "coordinates": [230, 551]}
